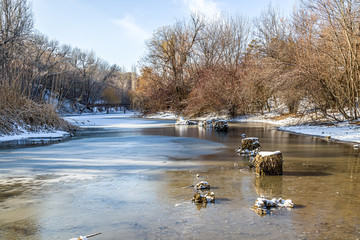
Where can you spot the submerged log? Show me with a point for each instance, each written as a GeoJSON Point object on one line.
{"type": "Point", "coordinates": [268, 163]}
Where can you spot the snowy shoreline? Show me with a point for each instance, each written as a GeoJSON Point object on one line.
{"type": "Point", "coordinates": [341, 132]}
{"type": "Point", "coordinates": [344, 132]}
{"type": "Point", "coordinates": [35, 136]}
{"type": "Point", "coordinates": [85, 120]}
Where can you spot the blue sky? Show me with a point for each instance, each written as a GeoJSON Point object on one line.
{"type": "Point", "coordinates": [116, 29]}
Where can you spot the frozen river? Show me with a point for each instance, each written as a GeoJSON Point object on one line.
{"type": "Point", "coordinates": [129, 178]}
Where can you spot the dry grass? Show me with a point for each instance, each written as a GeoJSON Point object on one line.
{"type": "Point", "coordinates": [284, 116]}
{"type": "Point", "coordinates": [18, 113]}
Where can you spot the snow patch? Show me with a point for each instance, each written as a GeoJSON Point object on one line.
{"type": "Point", "coordinates": [342, 131]}
{"type": "Point", "coordinates": [35, 135]}
{"type": "Point", "coordinates": [265, 153]}
{"type": "Point", "coordinates": [162, 115]}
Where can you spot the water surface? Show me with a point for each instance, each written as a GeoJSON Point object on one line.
{"type": "Point", "coordinates": [131, 181]}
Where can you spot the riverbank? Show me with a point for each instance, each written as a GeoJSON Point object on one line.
{"type": "Point", "coordinates": [346, 132]}
{"type": "Point", "coordinates": [86, 120]}
{"type": "Point", "coordinates": [35, 135]}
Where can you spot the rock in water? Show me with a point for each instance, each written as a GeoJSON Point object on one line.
{"type": "Point", "coordinates": [262, 205]}
{"type": "Point", "coordinates": [210, 197]}
{"type": "Point", "coordinates": [249, 146]}
{"type": "Point", "coordinates": [221, 126]}
{"type": "Point", "coordinates": [200, 198]}
{"type": "Point", "coordinates": [268, 163]}
{"type": "Point", "coordinates": [182, 121]}
{"type": "Point", "coordinates": [206, 124]}
{"type": "Point", "coordinates": [202, 185]}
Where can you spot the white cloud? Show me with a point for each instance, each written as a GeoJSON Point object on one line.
{"type": "Point", "coordinates": [132, 30]}
{"type": "Point", "coordinates": [207, 7]}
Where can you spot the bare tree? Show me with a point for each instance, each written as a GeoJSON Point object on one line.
{"type": "Point", "coordinates": [15, 26]}
{"type": "Point", "coordinates": [169, 53]}
{"type": "Point", "coordinates": [337, 47]}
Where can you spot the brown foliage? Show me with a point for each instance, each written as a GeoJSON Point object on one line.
{"type": "Point", "coordinates": [217, 89]}
{"type": "Point", "coordinates": [311, 57]}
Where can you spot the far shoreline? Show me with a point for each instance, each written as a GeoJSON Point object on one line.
{"type": "Point", "coordinates": [334, 133]}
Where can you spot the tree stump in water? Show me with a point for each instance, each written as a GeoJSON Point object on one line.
{"type": "Point", "coordinates": [268, 163]}
{"type": "Point", "coordinates": [221, 126]}
{"type": "Point", "coordinates": [249, 146]}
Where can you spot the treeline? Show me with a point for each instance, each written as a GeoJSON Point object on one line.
{"type": "Point", "coordinates": [37, 74]}
{"type": "Point", "coordinates": [310, 58]}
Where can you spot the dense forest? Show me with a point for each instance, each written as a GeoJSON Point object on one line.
{"type": "Point", "coordinates": [40, 77]}
{"type": "Point", "coordinates": [309, 59]}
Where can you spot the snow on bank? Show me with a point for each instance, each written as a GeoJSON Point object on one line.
{"type": "Point", "coordinates": [345, 131]}
{"type": "Point", "coordinates": [342, 131]}
{"type": "Point", "coordinates": [162, 115]}
{"type": "Point", "coordinates": [35, 135]}
{"type": "Point", "coordinates": [172, 116]}
{"type": "Point", "coordinates": [129, 119]}
{"type": "Point", "coordinates": [273, 118]}
{"type": "Point", "coordinates": [270, 118]}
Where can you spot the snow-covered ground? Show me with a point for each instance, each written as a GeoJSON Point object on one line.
{"type": "Point", "coordinates": [345, 132]}
{"type": "Point", "coordinates": [162, 115]}
{"type": "Point", "coordinates": [173, 116]}
{"type": "Point", "coordinates": [273, 118]}
{"type": "Point", "coordinates": [340, 131]}
{"type": "Point", "coordinates": [266, 118]}
{"type": "Point", "coordinates": [34, 135]}
{"type": "Point", "coordinates": [83, 120]}
{"type": "Point", "coordinates": [113, 120]}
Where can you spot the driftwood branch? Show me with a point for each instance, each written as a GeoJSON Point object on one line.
{"type": "Point", "coordinates": [93, 235]}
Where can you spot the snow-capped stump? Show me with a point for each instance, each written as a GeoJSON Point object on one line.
{"type": "Point", "coordinates": [221, 126]}
{"type": "Point", "coordinates": [262, 205]}
{"type": "Point", "coordinates": [202, 186]}
{"type": "Point", "coordinates": [249, 146]}
{"type": "Point", "coordinates": [182, 121]}
{"type": "Point", "coordinates": [204, 198]}
{"type": "Point", "coordinates": [268, 163]}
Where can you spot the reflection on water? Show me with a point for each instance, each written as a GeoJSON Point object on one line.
{"type": "Point", "coordinates": [134, 183]}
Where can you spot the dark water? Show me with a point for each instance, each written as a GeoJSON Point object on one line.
{"type": "Point", "coordinates": [132, 183]}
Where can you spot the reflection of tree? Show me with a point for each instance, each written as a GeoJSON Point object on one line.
{"type": "Point", "coordinates": [269, 186]}
{"type": "Point", "coordinates": [199, 206]}
{"type": "Point", "coordinates": [353, 166]}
